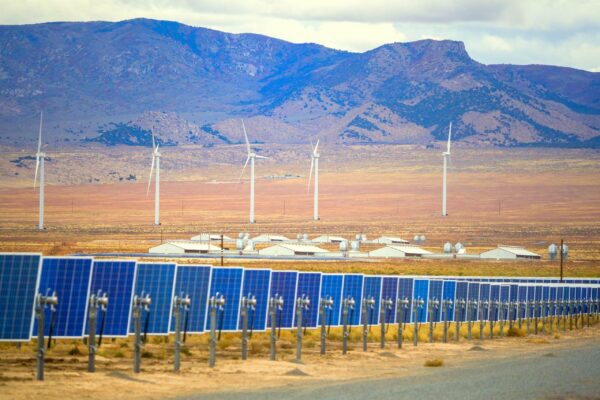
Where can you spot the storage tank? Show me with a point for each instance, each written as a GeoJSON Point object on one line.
{"type": "Point", "coordinates": [458, 247]}
{"type": "Point", "coordinates": [239, 244]}
{"type": "Point", "coordinates": [448, 247]}
{"type": "Point", "coordinates": [250, 245]}
{"type": "Point", "coordinates": [344, 246]}
{"type": "Point", "coordinates": [305, 237]}
{"type": "Point", "coordinates": [417, 239]}
{"type": "Point", "coordinates": [552, 251]}
{"type": "Point", "coordinates": [565, 251]}
{"type": "Point", "coordinates": [422, 238]}
{"type": "Point", "coordinates": [355, 245]}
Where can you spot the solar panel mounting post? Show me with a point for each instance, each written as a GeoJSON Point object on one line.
{"type": "Point", "coordinates": [97, 301]}
{"type": "Point", "coordinates": [543, 315]}
{"type": "Point", "coordinates": [401, 307]}
{"type": "Point", "coordinates": [180, 303]}
{"type": "Point", "coordinates": [482, 305]}
{"type": "Point", "coordinates": [417, 306]}
{"type": "Point", "coordinates": [495, 308]}
{"type": "Point", "coordinates": [528, 316]}
{"type": "Point", "coordinates": [386, 305]}
{"type": "Point", "coordinates": [326, 304]}
{"type": "Point", "coordinates": [302, 303]}
{"type": "Point", "coordinates": [433, 305]}
{"type": "Point", "coordinates": [216, 303]}
{"type": "Point", "coordinates": [447, 303]}
{"type": "Point", "coordinates": [41, 302]}
{"type": "Point", "coordinates": [470, 319]}
{"type": "Point", "coordinates": [347, 304]}
{"type": "Point", "coordinates": [460, 306]}
{"type": "Point", "coordinates": [275, 304]}
{"type": "Point", "coordinates": [536, 315]}
{"type": "Point", "coordinates": [248, 303]}
{"type": "Point", "coordinates": [140, 303]}
{"type": "Point", "coordinates": [368, 305]}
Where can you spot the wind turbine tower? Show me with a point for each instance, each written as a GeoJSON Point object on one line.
{"type": "Point", "coordinates": [314, 162]}
{"type": "Point", "coordinates": [446, 155]}
{"type": "Point", "coordinates": [39, 166]}
{"type": "Point", "coordinates": [155, 160]}
{"type": "Point", "coordinates": [251, 157]}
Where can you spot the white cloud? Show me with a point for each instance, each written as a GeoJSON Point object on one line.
{"type": "Point", "coordinates": [557, 32]}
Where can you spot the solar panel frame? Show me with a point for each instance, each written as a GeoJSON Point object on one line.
{"type": "Point", "coordinates": [285, 284]}
{"type": "Point", "coordinates": [159, 304]}
{"type": "Point", "coordinates": [405, 291]}
{"type": "Point", "coordinates": [372, 287]}
{"type": "Point", "coordinates": [448, 293]}
{"type": "Point", "coordinates": [389, 290]}
{"type": "Point", "coordinates": [309, 284]}
{"type": "Point", "coordinates": [253, 284]}
{"type": "Point", "coordinates": [72, 307]}
{"type": "Point", "coordinates": [473, 295]}
{"type": "Point", "coordinates": [331, 285]}
{"type": "Point", "coordinates": [125, 301]}
{"type": "Point", "coordinates": [421, 291]}
{"type": "Point", "coordinates": [435, 292]}
{"type": "Point", "coordinates": [353, 286]}
{"type": "Point", "coordinates": [461, 293]}
{"type": "Point", "coordinates": [24, 334]}
{"type": "Point", "coordinates": [193, 280]}
{"type": "Point", "coordinates": [227, 281]}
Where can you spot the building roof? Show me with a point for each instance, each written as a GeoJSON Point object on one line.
{"type": "Point", "coordinates": [329, 238]}
{"type": "Point", "coordinates": [270, 238]}
{"type": "Point", "coordinates": [193, 245]}
{"type": "Point", "coordinates": [211, 236]}
{"type": "Point", "coordinates": [383, 239]}
{"type": "Point", "coordinates": [302, 248]}
{"type": "Point", "coordinates": [409, 249]}
{"type": "Point", "coordinates": [518, 251]}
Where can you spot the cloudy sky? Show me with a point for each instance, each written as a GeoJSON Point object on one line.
{"type": "Point", "coordinates": [557, 32]}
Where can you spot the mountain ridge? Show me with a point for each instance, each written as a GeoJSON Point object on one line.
{"type": "Point", "coordinates": [87, 75]}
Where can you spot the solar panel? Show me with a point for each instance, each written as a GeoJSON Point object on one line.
{"type": "Point", "coordinates": [494, 302]}
{"type": "Point", "coordinates": [484, 295]}
{"type": "Point", "coordinates": [421, 292]}
{"type": "Point", "coordinates": [19, 280]}
{"type": "Point", "coordinates": [70, 277]}
{"type": "Point", "coordinates": [473, 295]}
{"type": "Point", "coordinates": [504, 299]}
{"type": "Point", "coordinates": [283, 283]}
{"type": "Point", "coordinates": [226, 281]}
{"type": "Point", "coordinates": [331, 286]}
{"type": "Point", "coordinates": [448, 293]}
{"type": "Point", "coordinates": [257, 283]}
{"type": "Point", "coordinates": [405, 291]}
{"type": "Point", "coordinates": [389, 291]}
{"type": "Point", "coordinates": [193, 280]}
{"type": "Point", "coordinates": [158, 281]}
{"type": "Point", "coordinates": [309, 285]}
{"type": "Point", "coordinates": [352, 288]}
{"type": "Point", "coordinates": [462, 289]}
{"type": "Point", "coordinates": [372, 288]}
{"type": "Point", "coordinates": [435, 293]}
{"type": "Point", "coordinates": [116, 279]}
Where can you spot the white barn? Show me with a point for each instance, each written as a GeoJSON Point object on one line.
{"type": "Point", "coordinates": [184, 247]}
{"type": "Point", "coordinates": [390, 240]}
{"type": "Point", "coordinates": [394, 251]}
{"type": "Point", "coordinates": [328, 239]}
{"type": "Point", "coordinates": [212, 237]}
{"type": "Point", "coordinates": [265, 238]}
{"type": "Point", "coordinates": [288, 249]}
{"type": "Point", "coordinates": [510, 253]}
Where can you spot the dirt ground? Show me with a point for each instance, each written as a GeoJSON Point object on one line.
{"type": "Point", "coordinates": [67, 376]}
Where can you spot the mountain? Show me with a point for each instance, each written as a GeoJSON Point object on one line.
{"type": "Point", "coordinates": [116, 83]}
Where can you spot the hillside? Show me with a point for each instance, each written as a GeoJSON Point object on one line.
{"type": "Point", "coordinates": [115, 83]}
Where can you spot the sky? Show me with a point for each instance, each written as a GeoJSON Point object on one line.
{"type": "Point", "coordinates": [555, 32]}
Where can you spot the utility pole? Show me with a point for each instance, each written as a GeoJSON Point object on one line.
{"type": "Point", "coordinates": [221, 248]}
{"type": "Point", "coordinates": [561, 260]}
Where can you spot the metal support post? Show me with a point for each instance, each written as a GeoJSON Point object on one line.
{"type": "Point", "coordinates": [302, 303]}
{"type": "Point", "coordinates": [447, 305]}
{"type": "Point", "coordinates": [97, 301]}
{"type": "Point", "coordinates": [401, 307]}
{"type": "Point", "coordinates": [180, 303]}
{"type": "Point", "coordinates": [275, 304]}
{"type": "Point", "coordinates": [347, 304]}
{"type": "Point", "coordinates": [325, 305]}
{"type": "Point", "coordinates": [528, 316]}
{"type": "Point", "coordinates": [433, 306]}
{"type": "Point", "coordinates": [483, 305]}
{"type": "Point", "coordinates": [386, 305]}
{"type": "Point", "coordinates": [368, 305]}
{"type": "Point", "coordinates": [139, 303]}
{"type": "Point", "coordinates": [41, 302]}
{"type": "Point", "coordinates": [247, 304]}
{"type": "Point", "coordinates": [417, 305]}
{"type": "Point", "coordinates": [216, 303]}
{"type": "Point", "coordinates": [460, 306]}
{"type": "Point", "coordinates": [470, 319]}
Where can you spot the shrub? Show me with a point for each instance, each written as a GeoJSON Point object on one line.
{"type": "Point", "coordinates": [515, 332]}
{"type": "Point", "coordinates": [75, 351]}
{"type": "Point", "coordinates": [437, 362]}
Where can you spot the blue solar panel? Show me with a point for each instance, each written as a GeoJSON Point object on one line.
{"type": "Point", "coordinates": [158, 281]}
{"type": "Point", "coordinates": [484, 295]}
{"type": "Point", "coordinates": [372, 288]}
{"type": "Point", "coordinates": [193, 281]}
{"type": "Point", "coordinates": [331, 286]}
{"type": "Point", "coordinates": [309, 285]}
{"type": "Point", "coordinates": [405, 291]}
{"type": "Point", "coordinates": [352, 287]}
{"type": "Point", "coordinates": [504, 298]}
{"type": "Point", "coordinates": [435, 293]}
{"type": "Point", "coordinates": [70, 278]}
{"type": "Point", "coordinates": [19, 280]}
{"type": "Point", "coordinates": [448, 293]}
{"type": "Point", "coordinates": [115, 278]}
{"type": "Point", "coordinates": [283, 283]}
{"type": "Point", "coordinates": [226, 281]}
{"type": "Point", "coordinates": [421, 292]}
{"type": "Point", "coordinates": [389, 291]}
{"type": "Point", "coordinates": [494, 306]}
{"type": "Point", "coordinates": [257, 283]}
{"type": "Point", "coordinates": [473, 294]}
{"type": "Point", "coordinates": [462, 289]}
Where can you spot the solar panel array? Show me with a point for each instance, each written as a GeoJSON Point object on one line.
{"type": "Point", "coordinates": [24, 276]}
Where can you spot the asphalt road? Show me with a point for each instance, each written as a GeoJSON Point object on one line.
{"type": "Point", "coordinates": [558, 374]}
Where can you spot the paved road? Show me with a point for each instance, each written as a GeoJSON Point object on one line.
{"type": "Point", "coordinates": [560, 374]}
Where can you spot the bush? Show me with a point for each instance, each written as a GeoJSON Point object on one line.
{"type": "Point", "coordinates": [515, 332]}
{"type": "Point", "coordinates": [147, 354]}
{"type": "Point", "coordinates": [119, 354]}
{"type": "Point", "coordinates": [437, 362]}
{"type": "Point", "coordinates": [75, 351]}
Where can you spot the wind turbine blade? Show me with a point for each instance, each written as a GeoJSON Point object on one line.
{"type": "Point", "coordinates": [317, 146]}
{"type": "Point", "coordinates": [312, 163]}
{"type": "Point", "coordinates": [153, 145]}
{"type": "Point", "coordinates": [156, 149]}
{"type": "Point", "coordinates": [150, 177]}
{"type": "Point", "coordinates": [263, 157]}
{"type": "Point", "coordinates": [449, 136]}
{"type": "Point", "coordinates": [39, 149]}
{"type": "Point", "coordinates": [246, 137]}
{"type": "Point", "coordinates": [37, 165]}
{"type": "Point", "coordinates": [243, 169]}
{"type": "Point", "coordinates": [40, 135]}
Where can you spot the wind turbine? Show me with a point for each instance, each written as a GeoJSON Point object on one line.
{"type": "Point", "coordinates": [314, 162]}
{"type": "Point", "coordinates": [251, 157]}
{"type": "Point", "coordinates": [155, 160]}
{"type": "Point", "coordinates": [446, 155]}
{"type": "Point", "coordinates": [39, 165]}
